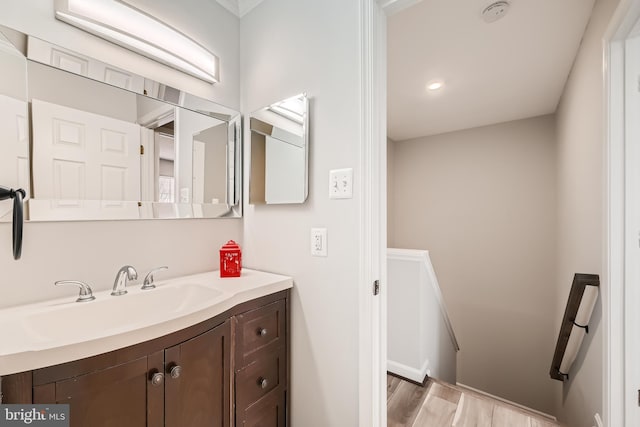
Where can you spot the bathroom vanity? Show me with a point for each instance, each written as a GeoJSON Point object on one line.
{"type": "Point", "coordinates": [230, 367]}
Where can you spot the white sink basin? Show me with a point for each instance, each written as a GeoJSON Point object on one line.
{"type": "Point", "coordinates": [110, 315]}
{"type": "Point", "coordinates": [61, 330]}
{"type": "Point", "coordinates": [62, 322]}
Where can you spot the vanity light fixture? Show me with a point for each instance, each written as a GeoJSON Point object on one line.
{"type": "Point", "coordinates": [132, 29]}
{"type": "Point", "coordinates": [291, 108]}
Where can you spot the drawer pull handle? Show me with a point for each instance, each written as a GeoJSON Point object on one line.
{"type": "Point", "coordinates": [175, 371]}
{"type": "Point", "coordinates": [262, 332]}
{"type": "Point", "coordinates": [263, 383]}
{"type": "Point", "coordinates": [157, 379]}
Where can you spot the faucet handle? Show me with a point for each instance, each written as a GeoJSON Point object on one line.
{"type": "Point", "coordinates": [85, 290]}
{"type": "Point", "coordinates": [148, 280]}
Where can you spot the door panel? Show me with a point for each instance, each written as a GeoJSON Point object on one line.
{"type": "Point", "coordinates": [64, 59]}
{"type": "Point", "coordinates": [84, 161]}
{"type": "Point", "coordinates": [14, 162]}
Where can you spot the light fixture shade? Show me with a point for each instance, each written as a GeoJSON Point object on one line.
{"type": "Point", "coordinates": [132, 29]}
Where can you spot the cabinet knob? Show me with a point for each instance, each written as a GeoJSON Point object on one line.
{"type": "Point", "coordinates": [157, 379]}
{"type": "Point", "coordinates": [262, 382]}
{"type": "Point", "coordinates": [262, 331]}
{"type": "Point", "coordinates": [175, 371]}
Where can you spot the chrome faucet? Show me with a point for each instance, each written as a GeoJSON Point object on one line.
{"type": "Point", "coordinates": [148, 280]}
{"type": "Point", "coordinates": [85, 290]}
{"type": "Point", "coordinates": [120, 284]}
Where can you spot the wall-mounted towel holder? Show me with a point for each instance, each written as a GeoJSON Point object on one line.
{"type": "Point", "coordinates": [18, 216]}
{"type": "Point", "coordinates": [575, 323]}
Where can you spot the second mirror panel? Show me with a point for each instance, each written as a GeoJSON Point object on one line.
{"type": "Point", "coordinates": [280, 152]}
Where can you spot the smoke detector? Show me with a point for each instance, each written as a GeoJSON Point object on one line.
{"type": "Point", "coordinates": [495, 11]}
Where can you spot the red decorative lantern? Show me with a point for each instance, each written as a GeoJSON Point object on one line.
{"type": "Point", "coordinates": [230, 260]}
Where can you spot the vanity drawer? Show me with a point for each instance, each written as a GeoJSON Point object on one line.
{"type": "Point", "coordinates": [269, 411]}
{"type": "Point", "coordinates": [260, 329]}
{"type": "Point", "coordinates": [259, 378]}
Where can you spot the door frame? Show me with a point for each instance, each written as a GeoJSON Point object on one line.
{"type": "Point", "coordinates": [372, 405]}
{"type": "Point", "coordinates": [616, 348]}
{"type": "Point", "coordinates": [373, 312]}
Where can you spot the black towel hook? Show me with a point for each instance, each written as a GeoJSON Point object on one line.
{"type": "Point", "coordinates": [18, 216]}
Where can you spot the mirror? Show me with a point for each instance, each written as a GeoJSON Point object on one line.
{"type": "Point", "coordinates": [280, 152]}
{"type": "Point", "coordinates": [14, 161]}
{"type": "Point", "coordinates": [109, 144]}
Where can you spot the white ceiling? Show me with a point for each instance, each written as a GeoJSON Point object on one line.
{"type": "Point", "coordinates": [511, 69]}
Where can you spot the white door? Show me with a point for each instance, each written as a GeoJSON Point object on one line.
{"type": "Point", "coordinates": [80, 156]}
{"type": "Point", "coordinates": [199, 153]}
{"type": "Point", "coordinates": [14, 162]}
{"type": "Point", "coordinates": [47, 53]}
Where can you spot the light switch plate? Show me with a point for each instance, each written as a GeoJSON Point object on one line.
{"type": "Point", "coordinates": [319, 241]}
{"type": "Point", "coordinates": [341, 183]}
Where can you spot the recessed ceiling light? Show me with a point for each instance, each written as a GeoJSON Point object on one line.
{"type": "Point", "coordinates": [435, 85]}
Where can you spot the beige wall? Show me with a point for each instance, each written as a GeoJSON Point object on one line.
{"type": "Point", "coordinates": [391, 145]}
{"type": "Point", "coordinates": [482, 201]}
{"type": "Point", "coordinates": [580, 131]}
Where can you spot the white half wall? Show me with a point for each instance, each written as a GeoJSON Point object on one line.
{"type": "Point", "coordinates": [420, 340]}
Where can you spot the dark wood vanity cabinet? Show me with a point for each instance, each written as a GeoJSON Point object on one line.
{"type": "Point", "coordinates": [260, 372]}
{"type": "Point", "coordinates": [229, 370]}
{"type": "Point", "coordinates": [183, 385]}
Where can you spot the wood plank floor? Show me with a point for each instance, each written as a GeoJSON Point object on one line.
{"type": "Point", "coordinates": [438, 404]}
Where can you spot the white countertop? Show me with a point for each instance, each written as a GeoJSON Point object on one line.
{"type": "Point", "coordinates": [78, 330]}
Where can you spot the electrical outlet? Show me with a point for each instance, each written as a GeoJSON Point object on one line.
{"type": "Point", "coordinates": [319, 241]}
{"type": "Point", "coordinates": [341, 183]}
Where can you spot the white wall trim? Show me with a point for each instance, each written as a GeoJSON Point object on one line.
{"type": "Point", "coordinates": [239, 7]}
{"type": "Point", "coordinates": [231, 6]}
{"type": "Point", "coordinates": [246, 6]}
{"type": "Point", "coordinates": [417, 375]}
{"type": "Point", "coordinates": [621, 24]}
{"type": "Point", "coordinates": [508, 402]}
{"type": "Point", "coordinates": [394, 6]}
{"type": "Point", "coordinates": [371, 181]}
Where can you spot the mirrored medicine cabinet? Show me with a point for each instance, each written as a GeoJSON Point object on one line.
{"type": "Point", "coordinates": [280, 152]}
{"type": "Point", "coordinates": [89, 141]}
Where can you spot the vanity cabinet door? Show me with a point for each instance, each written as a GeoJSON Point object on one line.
{"type": "Point", "coordinates": [116, 396]}
{"type": "Point", "coordinates": [197, 385]}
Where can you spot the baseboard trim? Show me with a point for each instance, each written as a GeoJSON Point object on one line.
{"type": "Point", "coordinates": [517, 405]}
{"type": "Point", "coordinates": [414, 375]}
{"type": "Point", "coordinates": [422, 384]}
